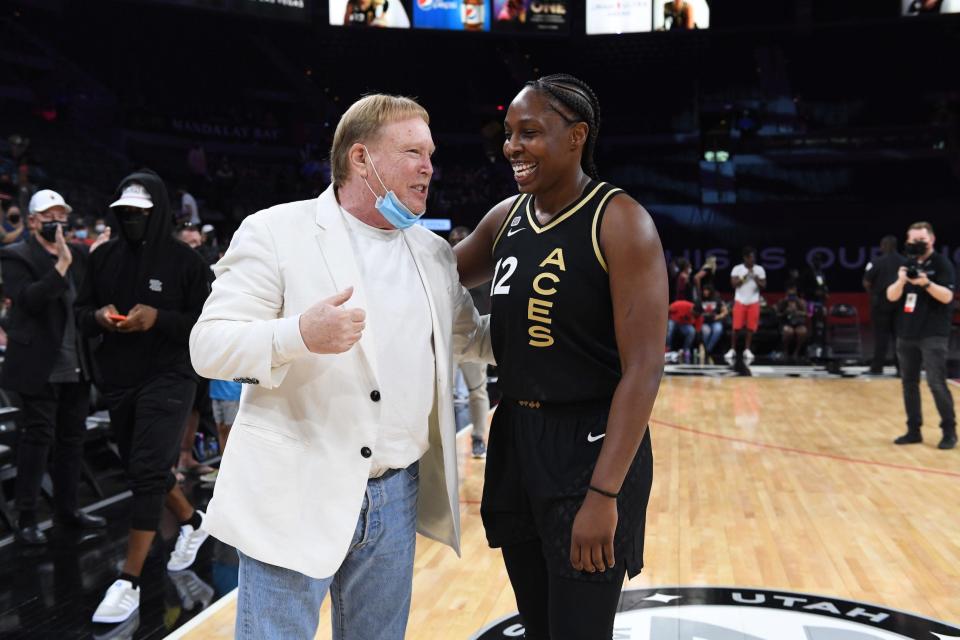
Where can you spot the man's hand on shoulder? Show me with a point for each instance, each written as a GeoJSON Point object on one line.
{"type": "Point", "coordinates": [329, 327]}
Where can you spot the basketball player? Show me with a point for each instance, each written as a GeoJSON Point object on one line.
{"type": "Point", "coordinates": [579, 309]}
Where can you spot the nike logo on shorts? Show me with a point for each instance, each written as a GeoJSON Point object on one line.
{"type": "Point", "coordinates": [593, 438]}
{"type": "Point", "coordinates": [514, 231]}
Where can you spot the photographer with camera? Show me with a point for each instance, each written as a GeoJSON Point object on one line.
{"type": "Point", "coordinates": [924, 296]}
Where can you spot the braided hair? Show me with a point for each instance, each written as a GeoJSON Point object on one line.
{"type": "Point", "coordinates": [568, 94]}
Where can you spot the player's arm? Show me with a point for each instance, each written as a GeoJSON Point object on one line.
{"type": "Point", "coordinates": [638, 285]}
{"type": "Point", "coordinates": [475, 252]}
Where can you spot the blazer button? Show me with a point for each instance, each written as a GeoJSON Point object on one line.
{"type": "Point", "coordinates": [375, 395]}
{"type": "Point", "coordinates": [365, 452]}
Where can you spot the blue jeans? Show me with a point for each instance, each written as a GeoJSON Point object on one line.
{"type": "Point", "coordinates": [712, 332]}
{"type": "Point", "coordinates": [370, 591]}
{"type": "Point", "coordinates": [688, 331]}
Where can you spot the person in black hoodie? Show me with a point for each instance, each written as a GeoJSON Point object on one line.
{"type": "Point", "coordinates": [44, 365]}
{"type": "Point", "coordinates": [142, 295]}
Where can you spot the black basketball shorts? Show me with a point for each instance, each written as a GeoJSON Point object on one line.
{"type": "Point", "coordinates": [540, 458]}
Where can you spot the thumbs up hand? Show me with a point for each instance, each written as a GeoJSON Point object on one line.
{"type": "Point", "coordinates": [329, 327]}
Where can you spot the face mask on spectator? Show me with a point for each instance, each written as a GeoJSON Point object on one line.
{"type": "Point", "coordinates": [133, 224]}
{"type": "Point", "coordinates": [133, 211]}
{"type": "Point", "coordinates": [48, 230]}
{"type": "Point", "coordinates": [80, 234]}
{"type": "Point", "coordinates": [100, 228]}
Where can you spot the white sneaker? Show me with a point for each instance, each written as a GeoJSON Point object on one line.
{"type": "Point", "coordinates": [188, 544]}
{"type": "Point", "coordinates": [191, 589]}
{"type": "Point", "coordinates": [123, 631]}
{"type": "Point", "coordinates": [121, 601]}
{"type": "Point", "coordinates": [730, 356]}
{"type": "Point", "coordinates": [747, 356]}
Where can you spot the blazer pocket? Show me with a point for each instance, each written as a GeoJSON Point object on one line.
{"type": "Point", "coordinates": [271, 436]}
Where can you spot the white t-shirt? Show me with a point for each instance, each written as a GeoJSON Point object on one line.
{"type": "Point", "coordinates": [749, 291]}
{"type": "Point", "coordinates": [398, 317]}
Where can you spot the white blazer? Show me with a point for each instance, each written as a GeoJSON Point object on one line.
{"type": "Point", "coordinates": [292, 480]}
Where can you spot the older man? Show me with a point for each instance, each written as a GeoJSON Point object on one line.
{"type": "Point", "coordinates": [341, 316]}
{"type": "Point", "coordinates": [43, 364]}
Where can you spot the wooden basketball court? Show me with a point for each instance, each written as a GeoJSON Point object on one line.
{"type": "Point", "coordinates": [787, 484]}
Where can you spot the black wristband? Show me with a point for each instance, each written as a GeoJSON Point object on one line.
{"type": "Point", "coordinates": [604, 493]}
{"type": "Point", "coordinates": [926, 286]}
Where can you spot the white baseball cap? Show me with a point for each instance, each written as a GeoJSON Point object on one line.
{"type": "Point", "coordinates": [134, 195]}
{"type": "Point", "coordinates": [45, 199]}
{"type": "Point", "coordinates": [207, 228]}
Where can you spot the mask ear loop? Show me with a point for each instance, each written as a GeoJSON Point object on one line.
{"type": "Point", "coordinates": [377, 173]}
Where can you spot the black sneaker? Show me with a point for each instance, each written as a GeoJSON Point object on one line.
{"type": "Point", "coordinates": [910, 437]}
{"type": "Point", "coordinates": [949, 441]}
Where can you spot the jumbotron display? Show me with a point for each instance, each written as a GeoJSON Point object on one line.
{"type": "Point", "coordinates": [930, 7]}
{"type": "Point", "coordinates": [510, 16]}
{"type": "Point", "coordinates": [638, 16]}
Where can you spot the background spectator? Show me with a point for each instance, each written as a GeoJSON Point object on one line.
{"type": "Point", "coordinates": [685, 285]}
{"type": "Point", "coordinates": [715, 311]}
{"type": "Point", "coordinates": [879, 275]}
{"type": "Point", "coordinates": [684, 318]}
{"type": "Point", "coordinates": [748, 279]}
{"type": "Point", "coordinates": [43, 365]}
{"type": "Point", "coordinates": [792, 313]}
{"type": "Point", "coordinates": [14, 226]}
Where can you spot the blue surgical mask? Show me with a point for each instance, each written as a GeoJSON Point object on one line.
{"type": "Point", "coordinates": [389, 205]}
{"type": "Point", "coordinates": [80, 234]}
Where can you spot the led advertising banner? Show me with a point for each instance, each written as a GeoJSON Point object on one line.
{"type": "Point", "coordinates": [454, 15]}
{"type": "Point", "coordinates": [285, 9]}
{"type": "Point", "coordinates": [531, 16]}
{"type": "Point", "coordinates": [298, 10]}
{"type": "Point", "coordinates": [929, 7]}
{"type": "Point", "coordinates": [370, 13]}
{"type": "Point", "coordinates": [619, 16]}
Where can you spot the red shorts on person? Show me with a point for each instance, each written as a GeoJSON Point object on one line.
{"type": "Point", "coordinates": [746, 315]}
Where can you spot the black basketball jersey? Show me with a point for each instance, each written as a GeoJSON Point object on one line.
{"type": "Point", "coordinates": [552, 314]}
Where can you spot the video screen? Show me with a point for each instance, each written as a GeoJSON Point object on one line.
{"type": "Point", "coordinates": [619, 16]}
{"type": "Point", "coordinates": [929, 7]}
{"type": "Point", "coordinates": [530, 16]}
{"type": "Point", "coordinates": [393, 14]}
{"type": "Point", "coordinates": [639, 16]}
{"type": "Point", "coordinates": [453, 15]}
{"type": "Point", "coordinates": [686, 15]}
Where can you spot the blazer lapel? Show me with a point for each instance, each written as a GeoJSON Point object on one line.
{"type": "Point", "coordinates": [337, 251]}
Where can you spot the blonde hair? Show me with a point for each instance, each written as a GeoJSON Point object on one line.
{"type": "Point", "coordinates": [362, 123]}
